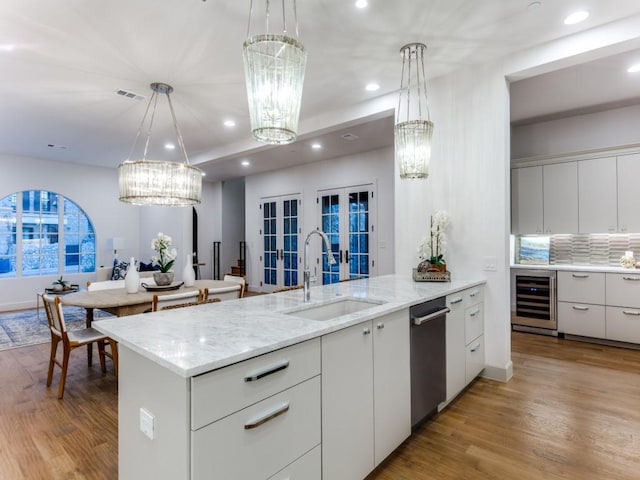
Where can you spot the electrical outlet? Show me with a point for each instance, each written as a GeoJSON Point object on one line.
{"type": "Point", "coordinates": [490, 264]}
{"type": "Point", "coordinates": [147, 423]}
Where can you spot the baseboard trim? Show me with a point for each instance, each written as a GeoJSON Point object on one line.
{"type": "Point", "coordinates": [12, 307]}
{"type": "Point", "coordinates": [499, 374]}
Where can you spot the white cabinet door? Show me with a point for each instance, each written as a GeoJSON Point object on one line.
{"type": "Point", "coordinates": [623, 324]}
{"type": "Point", "coordinates": [455, 342]}
{"type": "Point", "coordinates": [560, 197]}
{"type": "Point", "coordinates": [581, 319]}
{"type": "Point", "coordinates": [347, 403]}
{"type": "Point", "coordinates": [597, 196]}
{"type": "Point", "coordinates": [392, 383]}
{"type": "Point", "coordinates": [628, 193]}
{"type": "Point", "coordinates": [526, 200]}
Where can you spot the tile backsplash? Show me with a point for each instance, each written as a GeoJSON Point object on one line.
{"type": "Point", "coordinates": [576, 249]}
{"type": "Point", "coordinates": [592, 249]}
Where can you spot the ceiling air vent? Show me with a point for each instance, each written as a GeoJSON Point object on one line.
{"type": "Point", "coordinates": [128, 94]}
{"type": "Point", "coordinates": [349, 136]}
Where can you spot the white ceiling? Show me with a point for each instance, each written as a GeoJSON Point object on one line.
{"type": "Point", "coordinates": [71, 56]}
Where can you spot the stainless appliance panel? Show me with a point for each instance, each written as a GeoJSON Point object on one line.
{"type": "Point", "coordinates": [533, 300]}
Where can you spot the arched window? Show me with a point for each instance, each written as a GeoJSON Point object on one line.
{"type": "Point", "coordinates": [44, 233]}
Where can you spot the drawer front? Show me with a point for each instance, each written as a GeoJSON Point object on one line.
{"type": "Point", "coordinates": [226, 449]}
{"type": "Point", "coordinates": [224, 391]}
{"type": "Point", "coordinates": [581, 287]}
{"type": "Point", "coordinates": [473, 322]}
{"type": "Point", "coordinates": [623, 289]}
{"type": "Point", "coordinates": [623, 324]}
{"type": "Point", "coordinates": [309, 467]}
{"type": "Point", "coordinates": [457, 302]}
{"type": "Point", "coordinates": [474, 359]}
{"type": "Point", "coordinates": [474, 294]}
{"type": "Point", "coordinates": [581, 319]}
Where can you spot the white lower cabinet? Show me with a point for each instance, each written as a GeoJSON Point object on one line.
{"type": "Point", "coordinates": [366, 403]}
{"type": "Point", "coordinates": [582, 319]}
{"type": "Point", "coordinates": [464, 339]}
{"type": "Point", "coordinates": [307, 467]}
{"type": "Point", "coordinates": [623, 324]}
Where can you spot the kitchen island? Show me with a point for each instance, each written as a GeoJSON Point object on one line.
{"type": "Point", "coordinates": [195, 382]}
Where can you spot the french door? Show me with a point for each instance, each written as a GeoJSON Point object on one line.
{"type": "Point", "coordinates": [347, 217]}
{"type": "Point", "coordinates": [281, 229]}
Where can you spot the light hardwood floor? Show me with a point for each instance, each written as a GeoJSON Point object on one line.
{"type": "Point", "coordinates": [572, 411]}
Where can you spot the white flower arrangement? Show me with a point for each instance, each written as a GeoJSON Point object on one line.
{"type": "Point", "coordinates": [167, 255]}
{"type": "Point", "coordinates": [433, 246]}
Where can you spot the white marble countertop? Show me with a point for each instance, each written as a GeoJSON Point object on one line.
{"type": "Point", "coordinates": [578, 268]}
{"type": "Point", "coordinates": [195, 340]}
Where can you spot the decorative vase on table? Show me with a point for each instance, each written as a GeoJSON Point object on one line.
{"type": "Point", "coordinates": [132, 278]}
{"type": "Point", "coordinates": [163, 279]}
{"type": "Point", "coordinates": [189, 274]}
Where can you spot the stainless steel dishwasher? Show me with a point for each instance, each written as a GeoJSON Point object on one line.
{"type": "Point", "coordinates": [428, 358]}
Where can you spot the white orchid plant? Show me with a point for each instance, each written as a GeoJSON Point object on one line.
{"type": "Point", "coordinates": [166, 255]}
{"type": "Point", "coordinates": [433, 246]}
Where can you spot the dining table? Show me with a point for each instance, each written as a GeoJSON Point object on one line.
{"type": "Point", "coordinates": [119, 302]}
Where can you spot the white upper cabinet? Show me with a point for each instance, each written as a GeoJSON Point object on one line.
{"type": "Point", "coordinates": [560, 198]}
{"type": "Point", "coordinates": [526, 200]}
{"type": "Point", "coordinates": [597, 196]}
{"type": "Point", "coordinates": [628, 193]}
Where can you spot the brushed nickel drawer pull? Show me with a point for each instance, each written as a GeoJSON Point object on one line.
{"type": "Point", "coordinates": [366, 331]}
{"type": "Point", "coordinates": [475, 348]}
{"type": "Point", "coordinates": [267, 416]}
{"type": "Point", "coordinates": [633, 279]}
{"type": "Point", "coordinates": [380, 326]}
{"type": "Point", "coordinates": [474, 313]}
{"type": "Point", "coordinates": [627, 312]}
{"type": "Point", "coordinates": [582, 275]}
{"type": "Point", "coordinates": [457, 300]}
{"type": "Point", "coordinates": [582, 309]}
{"type": "Point", "coordinates": [474, 293]}
{"type": "Point", "coordinates": [252, 377]}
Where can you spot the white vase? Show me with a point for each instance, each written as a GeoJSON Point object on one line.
{"type": "Point", "coordinates": [132, 278]}
{"type": "Point", "coordinates": [189, 274]}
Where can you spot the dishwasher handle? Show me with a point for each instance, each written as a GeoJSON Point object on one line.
{"type": "Point", "coordinates": [420, 320]}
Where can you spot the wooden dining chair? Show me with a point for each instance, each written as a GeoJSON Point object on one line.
{"type": "Point", "coordinates": [72, 340]}
{"type": "Point", "coordinates": [176, 300]}
{"type": "Point", "coordinates": [236, 279]}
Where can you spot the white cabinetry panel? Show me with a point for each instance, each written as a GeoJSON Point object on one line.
{"type": "Point", "coordinates": [560, 183]}
{"type": "Point", "coordinates": [623, 290]}
{"type": "Point", "coordinates": [597, 195]}
{"type": "Point", "coordinates": [526, 200]}
{"type": "Point", "coordinates": [628, 193]}
{"type": "Point", "coordinates": [308, 467]}
{"type": "Point", "coordinates": [581, 319]}
{"type": "Point", "coordinates": [581, 287]}
{"type": "Point", "coordinates": [623, 324]}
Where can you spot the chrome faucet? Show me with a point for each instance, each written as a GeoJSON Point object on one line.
{"type": "Point", "coordinates": [307, 273]}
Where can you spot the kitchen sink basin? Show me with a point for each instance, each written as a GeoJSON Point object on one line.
{"type": "Point", "coordinates": [329, 311]}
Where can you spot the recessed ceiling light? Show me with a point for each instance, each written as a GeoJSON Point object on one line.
{"type": "Point", "coordinates": [372, 87]}
{"type": "Point", "coordinates": [169, 146]}
{"type": "Point", "coordinates": [229, 123]}
{"type": "Point", "coordinates": [576, 17]}
{"type": "Point", "coordinates": [316, 146]}
{"type": "Point", "coordinates": [203, 174]}
{"type": "Point", "coordinates": [245, 163]}
{"type": "Point", "coordinates": [362, 4]}
{"type": "Point", "coordinates": [634, 68]}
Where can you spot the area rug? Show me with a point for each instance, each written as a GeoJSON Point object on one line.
{"type": "Point", "coordinates": [26, 327]}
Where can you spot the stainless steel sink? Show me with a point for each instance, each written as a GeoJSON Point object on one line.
{"type": "Point", "coordinates": [338, 308]}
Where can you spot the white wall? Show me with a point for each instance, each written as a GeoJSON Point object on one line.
{"type": "Point", "coordinates": [609, 128]}
{"type": "Point", "coordinates": [95, 190]}
{"type": "Point", "coordinates": [370, 167]}
{"type": "Point", "coordinates": [233, 199]}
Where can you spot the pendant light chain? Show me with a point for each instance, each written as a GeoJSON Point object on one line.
{"type": "Point", "coordinates": [144, 119]}
{"type": "Point", "coordinates": [177, 129]}
{"type": "Point", "coordinates": [424, 83]}
{"type": "Point", "coordinates": [154, 98]}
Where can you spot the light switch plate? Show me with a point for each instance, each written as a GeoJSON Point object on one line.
{"type": "Point", "coordinates": [490, 264]}
{"type": "Point", "coordinates": [147, 423]}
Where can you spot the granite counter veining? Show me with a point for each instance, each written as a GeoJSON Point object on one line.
{"type": "Point", "coordinates": [195, 340]}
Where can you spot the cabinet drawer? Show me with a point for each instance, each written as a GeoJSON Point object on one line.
{"type": "Point", "coordinates": [581, 287]}
{"type": "Point", "coordinates": [474, 295]}
{"type": "Point", "coordinates": [308, 467]}
{"type": "Point", "coordinates": [474, 359]}
{"type": "Point", "coordinates": [623, 289]}
{"type": "Point", "coordinates": [473, 322]}
{"type": "Point", "coordinates": [227, 449]}
{"type": "Point", "coordinates": [227, 390]}
{"type": "Point", "coordinates": [581, 319]}
{"type": "Point", "coordinates": [623, 324]}
{"type": "Point", "coordinates": [457, 301]}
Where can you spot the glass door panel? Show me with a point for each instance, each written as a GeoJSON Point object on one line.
{"type": "Point", "coordinates": [331, 226]}
{"type": "Point", "coordinates": [270, 232]}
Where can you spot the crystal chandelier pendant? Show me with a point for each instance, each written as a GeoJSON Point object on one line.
{"type": "Point", "coordinates": [274, 66]}
{"type": "Point", "coordinates": [155, 182]}
{"type": "Point", "coordinates": [413, 129]}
